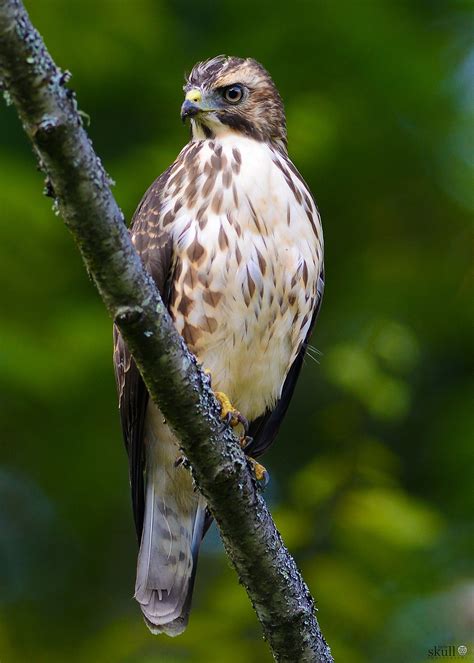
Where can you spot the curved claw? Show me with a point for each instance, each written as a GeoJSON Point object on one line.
{"type": "Point", "coordinates": [260, 472]}
{"type": "Point", "coordinates": [234, 418]}
{"type": "Point", "coordinates": [229, 413]}
{"type": "Point", "coordinates": [245, 441]}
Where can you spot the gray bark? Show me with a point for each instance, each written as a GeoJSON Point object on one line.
{"type": "Point", "coordinates": [81, 189]}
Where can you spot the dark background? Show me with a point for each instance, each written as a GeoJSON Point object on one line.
{"type": "Point", "coordinates": [372, 473]}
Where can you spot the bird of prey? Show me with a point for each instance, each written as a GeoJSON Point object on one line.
{"type": "Point", "coordinates": [232, 237]}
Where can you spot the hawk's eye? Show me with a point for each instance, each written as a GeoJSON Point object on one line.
{"type": "Point", "coordinates": [233, 94]}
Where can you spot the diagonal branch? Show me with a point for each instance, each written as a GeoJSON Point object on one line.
{"type": "Point", "coordinates": [81, 189]}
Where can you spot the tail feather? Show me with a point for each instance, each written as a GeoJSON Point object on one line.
{"type": "Point", "coordinates": [172, 532]}
{"type": "Point", "coordinates": [169, 613]}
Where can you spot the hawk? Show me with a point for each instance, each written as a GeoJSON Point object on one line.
{"type": "Point", "coordinates": [232, 238]}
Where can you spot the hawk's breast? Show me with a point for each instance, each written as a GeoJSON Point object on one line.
{"type": "Point", "coordinates": [248, 251]}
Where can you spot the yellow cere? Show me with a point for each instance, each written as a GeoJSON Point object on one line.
{"type": "Point", "coordinates": [194, 95]}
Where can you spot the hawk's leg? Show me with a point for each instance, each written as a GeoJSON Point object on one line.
{"type": "Point", "coordinates": [228, 411]}
{"type": "Point", "coordinates": [236, 418]}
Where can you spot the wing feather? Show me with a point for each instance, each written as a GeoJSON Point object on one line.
{"type": "Point", "coordinates": [154, 245]}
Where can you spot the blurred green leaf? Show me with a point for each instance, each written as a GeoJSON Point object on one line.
{"type": "Point", "coordinates": [390, 516]}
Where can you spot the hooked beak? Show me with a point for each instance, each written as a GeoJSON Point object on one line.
{"type": "Point", "coordinates": [189, 109]}
{"type": "Point", "coordinates": [193, 104]}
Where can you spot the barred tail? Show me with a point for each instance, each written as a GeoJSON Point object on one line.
{"type": "Point", "coordinates": [172, 533]}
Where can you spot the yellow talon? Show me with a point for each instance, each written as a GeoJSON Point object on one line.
{"type": "Point", "coordinates": [260, 472]}
{"type": "Point", "coordinates": [229, 412]}
{"type": "Point", "coordinates": [226, 406]}
{"type": "Point", "coordinates": [234, 417]}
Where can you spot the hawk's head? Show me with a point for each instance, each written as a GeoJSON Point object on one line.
{"type": "Point", "coordinates": [228, 93]}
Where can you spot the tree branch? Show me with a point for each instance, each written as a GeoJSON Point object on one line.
{"type": "Point", "coordinates": [80, 186]}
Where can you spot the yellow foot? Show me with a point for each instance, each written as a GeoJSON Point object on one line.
{"type": "Point", "coordinates": [229, 412]}
{"type": "Point", "coordinates": [260, 472]}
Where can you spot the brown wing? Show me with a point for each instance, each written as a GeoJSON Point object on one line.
{"type": "Point", "coordinates": [154, 245]}
{"type": "Point", "coordinates": [264, 429]}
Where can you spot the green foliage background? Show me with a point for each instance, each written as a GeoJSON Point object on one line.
{"type": "Point", "coordinates": [372, 474]}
